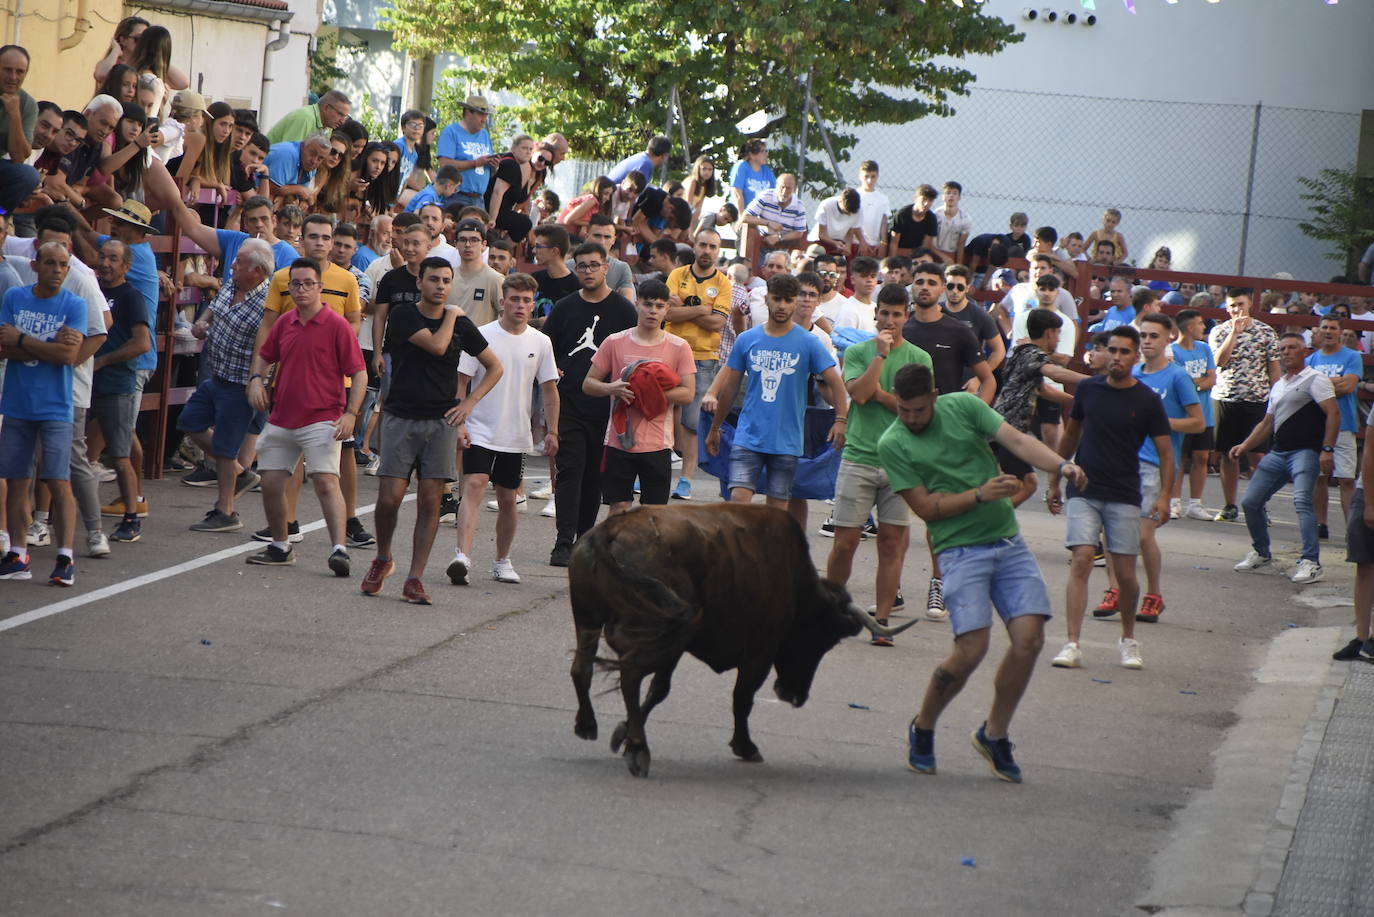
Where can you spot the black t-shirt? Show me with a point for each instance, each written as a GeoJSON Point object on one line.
{"type": "Point", "coordinates": [577, 328]}
{"type": "Point", "coordinates": [1115, 422]}
{"type": "Point", "coordinates": [911, 231]}
{"type": "Point", "coordinates": [424, 386]}
{"type": "Point", "coordinates": [398, 288]}
{"type": "Point", "coordinates": [984, 326]}
{"type": "Point", "coordinates": [979, 245]}
{"type": "Point", "coordinates": [239, 180]}
{"type": "Point", "coordinates": [551, 290]}
{"type": "Point", "coordinates": [508, 170]}
{"type": "Point", "coordinates": [81, 162]}
{"type": "Point", "coordinates": [951, 347]}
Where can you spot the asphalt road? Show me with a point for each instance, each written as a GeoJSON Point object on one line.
{"type": "Point", "coordinates": [228, 739]}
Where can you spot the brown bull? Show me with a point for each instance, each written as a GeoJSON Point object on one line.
{"type": "Point", "coordinates": [732, 584]}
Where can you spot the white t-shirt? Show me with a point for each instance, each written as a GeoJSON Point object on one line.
{"type": "Point", "coordinates": [873, 207]}
{"type": "Point", "coordinates": [842, 311]}
{"type": "Point", "coordinates": [835, 221]}
{"type": "Point", "coordinates": [501, 421]}
{"type": "Point", "coordinates": [1021, 298]}
{"type": "Point", "coordinates": [951, 228]}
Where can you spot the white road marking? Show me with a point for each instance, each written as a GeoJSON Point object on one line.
{"type": "Point", "coordinates": [146, 579]}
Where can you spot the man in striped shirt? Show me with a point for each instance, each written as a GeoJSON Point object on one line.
{"type": "Point", "coordinates": [778, 214]}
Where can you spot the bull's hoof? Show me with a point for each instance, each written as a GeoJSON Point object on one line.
{"type": "Point", "coordinates": [585, 730]}
{"type": "Point", "coordinates": [637, 760]}
{"type": "Point", "coordinates": [618, 736]}
{"type": "Point", "coordinates": [748, 753]}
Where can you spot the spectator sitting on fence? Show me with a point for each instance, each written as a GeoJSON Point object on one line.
{"type": "Point", "coordinates": [838, 221]}
{"type": "Point", "coordinates": [914, 225]}
{"type": "Point", "coordinates": [955, 225]}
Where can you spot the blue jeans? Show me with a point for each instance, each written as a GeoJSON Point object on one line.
{"type": "Point", "coordinates": [1275, 470]}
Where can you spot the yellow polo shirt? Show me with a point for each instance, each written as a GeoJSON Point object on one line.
{"type": "Point", "coordinates": [714, 291]}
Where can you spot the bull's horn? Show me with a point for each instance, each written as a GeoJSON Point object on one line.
{"type": "Point", "coordinates": [870, 622]}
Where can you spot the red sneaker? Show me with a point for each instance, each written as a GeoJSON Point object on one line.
{"type": "Point", "coordinates": [414, 592]}
{"type": "Point", "coordinates": [1107, 607]}
{"type": "Point", "coordinates": [377, 571]}
{"type": "Point", "coordinates": [1151, 607]}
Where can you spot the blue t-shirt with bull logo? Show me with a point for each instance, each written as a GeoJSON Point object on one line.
{"type": "Point", "coordinates": [1344, 362]}
{"type": "Point", "coordinates": [778, 368]}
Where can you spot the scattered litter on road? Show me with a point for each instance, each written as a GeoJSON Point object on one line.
{"type": "Point", "coordinates": [204, 642]}
{"type": "Point", "coordinates": [1103, 681]}
{"type": "Point", "coordinates": [1187, 692]}
{"type": "Point", "coordinates": [860, 706]}
{"type": "Point", "coordinates": [1290, 624]}
{"type": "Point", "coordinates": [1201, 568]}
{"type": "Point", "coordinates": [968, 861]}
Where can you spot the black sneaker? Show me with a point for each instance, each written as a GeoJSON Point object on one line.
{"type": "Point", "coordinates": [898, 603]}
{"type": "Point", "coordinates": [216, 521]}
{"type": "Point", "coordinates": [359, 537]}
{"type": "Point", "coordinates": [920, 755]}
{"type": "Point", "coordinates": [561, 555]}
{"type": "Point", "coordinates": [272, 556]}
{"type": "Point", "coordinates": [1369, 647]}
{"type": "Point", "coordinates": [293, 533]}
{"type": "Point", "coordinates": [870, 529]}
{"type": "Point", "coordinates": [1323, 531]}
{"type": "Point", "coordinates": [998, 753]}
{"type": "Point", "coordinates": [448, 508]}
{"type": "Point", "coordinates": [1230, 513]}
{"type": "Point", "coordinates": [338, 562]}
{"type": "Point", "coordinates": [201, 476]}
{"type": "Point", "coordinates": [828, 528]}
{"type": "Point", "coordinates": [1350, 651]}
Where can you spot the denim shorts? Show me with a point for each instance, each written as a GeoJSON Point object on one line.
{"type": "Point", "coordinates": [224, 406]}
{"type": "Point", "coordinates": [1002, 575]}
{"type": "Point", "coordinates": [21, 440]}
{"type": "Point", "coordinates": [745, 465]}
{"type": "Point", "coordinates": [1088, 519]}
{"type": "Point", "coordinates": [1150, 482]}
{"type": "Point", "coordinates": [706, 374]}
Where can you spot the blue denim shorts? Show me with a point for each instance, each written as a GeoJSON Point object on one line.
{"type": "Point", "coordinates": [224, 406]}
{"type": "Point", "coordinates": [1002, 575]}
{"type": "Point", "coordinates": [745, 465]}
{"type": "Point", "coordinates": [1089, 519]}
{"type": "Point", "coordinates": [22, 440]}
{"type": "Point", "coordinates": [706, 374]}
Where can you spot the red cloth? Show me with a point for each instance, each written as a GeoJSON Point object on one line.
{"type": "Point", "coordinates": [648, 379]}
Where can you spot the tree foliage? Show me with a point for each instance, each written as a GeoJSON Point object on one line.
{"type": "Point", "coordinates": [603, 73]}
{"type": "Point", "coordinates": [1339, 202]}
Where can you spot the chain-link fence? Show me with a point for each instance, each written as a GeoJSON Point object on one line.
{"type": "Point", "coordinates": [1217, 184]}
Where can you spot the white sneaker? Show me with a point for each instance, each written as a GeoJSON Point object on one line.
{"type": "Point", "coordinates": [550, 509]}
{"type": "Point", "coordinates": [543, 492]}
{"type": "Point", "coordinates": [1253, 561]}
{"type": "Point", "coordinates": [522, 503]}
{"type": "Point", "coordinates": [39, 536]}
{"type": "Point", "coordinates": [1175, 508]}
{"type": "Point", "coordinates": [1195, 511]}
{"type": "Point", "coordinates": [4, 542]}
{"type": "Point", "coordinates": [1070, 657]}
{"type": "Point", "coordinates": [97, 545]}
{"type": "Point", "coordinates": [504, 572]}
{"type": "Point", "coordinates": [675, 460]}
{"type": "Point", "coordinates": [1130, 654]}
{"type": "Point", "coordinates": [1309, 571]}
{"type": "Point", "coordinates": [104, 475]}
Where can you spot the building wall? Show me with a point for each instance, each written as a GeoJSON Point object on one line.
{"type": "Point", "coordinates": [199, 45]}
{"type": "Point", "coordinates": [61, 76]}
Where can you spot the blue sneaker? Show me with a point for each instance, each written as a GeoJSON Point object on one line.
{"type": "Point", "coordinates": [14, 567]}
{"type": "Point", "coordinates": [129, 529]}
{"type": "Point", "coordinates": [64, 574]}
{"type": "Point", "coordinates": [998, 753]}
{"type": "Point", "coordinates": [921, 756]}
{"type": "Point", "coordinates": [683, 490]}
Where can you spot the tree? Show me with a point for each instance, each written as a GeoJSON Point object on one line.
{"type": "Point", "coordinates": [1341, 214]}
{"type": "Point", "coordinates": [603, 73]}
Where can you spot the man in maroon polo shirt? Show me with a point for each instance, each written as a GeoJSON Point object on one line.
{"type": "Point", "coordinates": [314, 349]}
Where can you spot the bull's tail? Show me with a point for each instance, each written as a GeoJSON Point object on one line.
{"type": "Point", "coordinates": [650, 630]}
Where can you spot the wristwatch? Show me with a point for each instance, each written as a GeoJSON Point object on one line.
{"type": "Point", "coordinates": [1328, 448]}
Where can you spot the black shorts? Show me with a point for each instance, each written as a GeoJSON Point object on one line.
{"type": "Point", "coordinates": [1010, 463]}
{"type": "Point", "coordinates": [620, 468]}
{"type": "Point", "coordinates": [1359, 538]}
{"type": "Point", "coordinates": [1047, 411]}
{"type": "Point", "coordinates": [1198, 442]}
{"type": "Point", "coordinates": [504, 469]}
{"type": "Point", "coordinates": [1235, 421]}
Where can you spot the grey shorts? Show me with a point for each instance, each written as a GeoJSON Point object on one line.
{"type": "Point", "coordinates": [706, 374]}
{"type": "Point", "coordinates": [859, 488]}
{"type": "Point", "coordinates": [1089, 519]}
{"type": "Point", "coordinates": [428, 448]}
{"type": "Point", "coordinates": [116, 415]}
{"type": "Point", "coordinates": [1347, 457]}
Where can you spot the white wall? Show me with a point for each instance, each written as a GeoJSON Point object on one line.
{"type": "Point", "coordinates": [291, 69]}
{"type": "Point", "coordinates": [199, 46]}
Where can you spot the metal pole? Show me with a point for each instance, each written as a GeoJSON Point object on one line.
{"type": "Point", "coordinates": [825, 139]}
{"type": "Point", "coordinates": [667, 132]}
{"type": "Point", "coordinates": [801, 142]}
{"type": "Point", "coordinates": [682, 126]}
{"type": "Point", "coordinates": [1249, 189]}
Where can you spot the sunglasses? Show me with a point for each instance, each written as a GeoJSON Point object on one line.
{"type": "Point", "coordinates": [956, 286]}
{"type": "Point", "coordinates": [831, 274]}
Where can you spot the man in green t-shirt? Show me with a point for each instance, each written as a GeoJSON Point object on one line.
{"type": "Point", "coordinates": [861, 484]}
{"type": "Point", "coordinates": [939, 460]}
